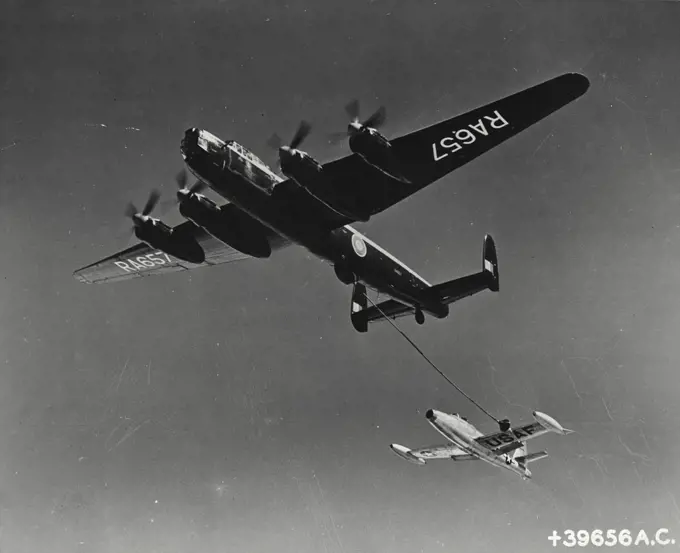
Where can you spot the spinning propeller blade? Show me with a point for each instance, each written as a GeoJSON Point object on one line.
{"type": "Point", "coordinates": [352, 109]}
{"type": "Point", "coordinates": [275, 142]}
{"type": "Point", "coordinates": [154, 196]}
{"type": "Point", "coordinates": [130, 210]}
{"type": "Point", "coordinates": [376, 120]}
{"type": "Point", "coordinates": [300, 134]}
{"type": "Point", "coordinates": [195, 188]}
{"type": "Point", "coordinates": [303, 130]}
{"type": "Point", "coordinates": [181, 179]}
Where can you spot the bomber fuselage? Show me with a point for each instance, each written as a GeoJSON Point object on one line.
{"type": "Point", "coordinates": [242, 178]}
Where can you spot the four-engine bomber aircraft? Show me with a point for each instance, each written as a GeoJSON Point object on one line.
{"type": "Point", "coordinates": [505, 449]}
{"type": "Point", "coordinates": [317, 203]}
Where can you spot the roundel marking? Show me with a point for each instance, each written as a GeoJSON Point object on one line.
{"type": "Point", "coordinates": [359, 245]}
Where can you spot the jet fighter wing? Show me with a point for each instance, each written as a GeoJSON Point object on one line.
{"type": "Point", "coordinates": [513, 436]}
{"type": "Point", "coordinates": [428, 154]}
{"type": "Point", "coordinates": [448, 451]}
{"type": "Point", "coordinates": [141, 260]}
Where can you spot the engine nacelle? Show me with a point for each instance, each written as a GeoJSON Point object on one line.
{"type": "Point", "coordinates": [376, 150]}
{"type": "Point", "coordinates": [308, 173]}
{"type": "Point", "coordinates": [198, 209]}
{"type": "Point", "coordinates": [152, 231]}
{"type": "Point", "coordinates": [235, 228]}
{"type": "Point", "coordinates": [160, 236]}
{"type": "Point", "coordinates": [301, 168]}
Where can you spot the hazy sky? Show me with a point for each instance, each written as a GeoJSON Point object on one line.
{"type": "Point", "coordinates": [235, 408]}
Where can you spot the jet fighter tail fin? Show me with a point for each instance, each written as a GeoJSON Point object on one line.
{"type": "Point", "coordinates": [520, 452]}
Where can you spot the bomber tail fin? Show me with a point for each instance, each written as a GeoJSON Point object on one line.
{"type": "Point", "coordinates": [359, 304]}
{"type": "Point", "coordinates": [459, 288]}
{"type": "Point", "coordinates": [490, 263]}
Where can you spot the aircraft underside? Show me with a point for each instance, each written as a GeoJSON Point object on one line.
{"type": "Point", "coordinates": [316, 204]}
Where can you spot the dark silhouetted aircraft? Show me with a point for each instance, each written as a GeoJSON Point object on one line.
{"type": "Point", "coordinates": [316, 204]}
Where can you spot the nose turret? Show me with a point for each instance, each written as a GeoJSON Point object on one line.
{"type": "Point", "coordinates": [188, 142]}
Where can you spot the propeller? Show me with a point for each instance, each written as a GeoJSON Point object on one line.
{"type": "Point", "coordinates": [139, 216]}
{"type": "Point", "coordinates": [352, 109]}
{"type": "Point", "coordinates": [303, 130]}
{"type": "Point", "coordinates": [184, 192]}
{"type": "Point", "coordinates": [300, 135]}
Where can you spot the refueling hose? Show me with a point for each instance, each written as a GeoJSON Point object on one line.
{"type": "Point", "coordinates": [503, 424]}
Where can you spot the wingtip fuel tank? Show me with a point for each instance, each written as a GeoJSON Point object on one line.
{"type": "Point", "coordinates": [551, 424]}
{"type": "Point", "coordinates": [405, 453]}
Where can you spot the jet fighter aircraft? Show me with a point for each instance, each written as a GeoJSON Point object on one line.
{"type": "Point", "coordinates": [506, 448]}
{"type": "Point", "coordinates": [316, 204]}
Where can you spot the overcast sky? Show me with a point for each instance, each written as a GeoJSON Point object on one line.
{"type": "Point", "coordinates": [235, 408]}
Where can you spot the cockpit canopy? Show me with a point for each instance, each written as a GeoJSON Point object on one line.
{"type": "Point", "coordinates": [247, 154]}
{"type": "Point", "coordinates": [209, 142]}
{"type": "Point", "coordinates": [460, 417]}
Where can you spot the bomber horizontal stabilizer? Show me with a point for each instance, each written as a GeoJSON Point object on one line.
{"type": "Point", "coordinates": [487, 278]}
{"type": "Point", "coordinates": [441, 294]}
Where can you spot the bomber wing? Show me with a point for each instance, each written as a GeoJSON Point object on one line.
{"type": "Point", "coordinates": [142, 260]}
{"type": "Point", "coordinates": [426, 155]}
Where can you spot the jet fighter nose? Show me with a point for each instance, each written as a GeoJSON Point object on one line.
{"type": "Point", "coordinates": [430, 414]}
